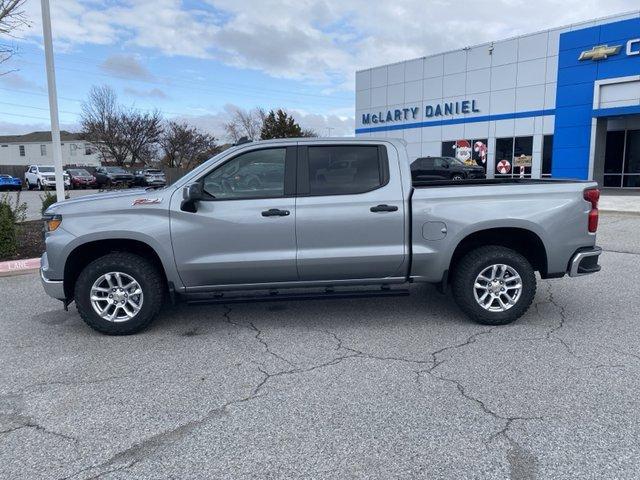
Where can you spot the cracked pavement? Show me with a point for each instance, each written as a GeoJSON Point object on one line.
{"type": "Point", "coordinates": [384, 388]}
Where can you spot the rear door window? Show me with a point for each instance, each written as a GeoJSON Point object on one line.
{"type": "Point", "coordinates": [342, 169]}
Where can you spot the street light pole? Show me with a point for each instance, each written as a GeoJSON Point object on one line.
{"type": "Point", "coordinates": [53, 99]}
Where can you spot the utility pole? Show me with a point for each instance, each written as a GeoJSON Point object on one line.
{"type": "Point", "coordinates": [53, 99]}
{"type": "Point", "coordinates": [329, 131]}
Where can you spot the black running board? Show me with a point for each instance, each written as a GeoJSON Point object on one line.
{"type": "Point", "coordinates": [208, 298]}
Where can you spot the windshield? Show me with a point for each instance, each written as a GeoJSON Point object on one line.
{"type": "Point", "coordinates": [79, 172]}
{"type": "Point", "coordinates": [46, 169]}
{"type": "Point", "coordinates": [116, 170]}
{"type": "Point", "coordinates": [456, 161]}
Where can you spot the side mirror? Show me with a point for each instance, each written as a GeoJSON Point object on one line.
{"type": "Point", "coordinates": [191, 194]}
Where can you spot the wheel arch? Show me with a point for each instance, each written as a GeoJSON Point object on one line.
{"type": "Point", "coordinates": [524, 241]}
{"type": "Point", "coordinates": [85, 253]}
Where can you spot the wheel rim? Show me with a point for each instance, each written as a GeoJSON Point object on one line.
{"type": "Point", "coordinates": [116, 297]}
{"type": "Point", "coordinates": [457, 177]}
{"type": "Point", "coordinates": [497, 288]}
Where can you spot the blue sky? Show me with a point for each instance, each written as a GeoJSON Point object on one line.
{"type": "Point", "coordinates": [197, 60]}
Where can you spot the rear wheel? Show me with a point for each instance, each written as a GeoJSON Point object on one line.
{"type": "Point", "coordinates": [119, 293]}
{"type": "Point", "coordinates": [494, 285]}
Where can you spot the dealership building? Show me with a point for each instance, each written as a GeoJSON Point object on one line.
{"type": "Point", "coordinates": [563, 103]}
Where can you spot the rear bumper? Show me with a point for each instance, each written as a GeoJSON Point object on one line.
{"type": "Point", "coordinates": [584, 262]}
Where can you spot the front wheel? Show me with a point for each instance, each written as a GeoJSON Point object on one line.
{"type": "Point", "coordinates": [457, 177]}
{"type": "Point", "coordinates": [494, 285]}
{"type": "Point", "coordinates": [119, 293]}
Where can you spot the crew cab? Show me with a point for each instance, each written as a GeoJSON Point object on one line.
{"type": "Point", "coordinates": [262, 218]}
{"type": "Point", "coordinates": [43, 177]}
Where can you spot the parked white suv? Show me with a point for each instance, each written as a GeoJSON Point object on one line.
{"type": "Point", "coordinates": [43, 176]}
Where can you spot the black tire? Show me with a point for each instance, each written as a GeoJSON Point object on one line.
{"type": "Point", "coordinates": [458, 177]}
{"type": "Point", "coordinates": [39, 185]}
{"type": "Point", "coordinates": [472, 264]}
{"type": "Point", "coordinates": [147, 276]}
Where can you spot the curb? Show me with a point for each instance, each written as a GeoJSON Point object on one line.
{"type": "Point", "coordinates": [19, 267]}
{"type": "Point", "coordinates": [620, 212]}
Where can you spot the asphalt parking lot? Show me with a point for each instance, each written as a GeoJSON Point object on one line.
{"type": "Point", "coordinates": [361, 388]}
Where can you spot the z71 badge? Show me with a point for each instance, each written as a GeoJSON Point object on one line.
{"type": "Point", "coordinates": [145, 201]}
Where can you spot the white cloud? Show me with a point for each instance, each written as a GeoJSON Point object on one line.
{"type": "Point", "coordinates": [320, 41]}
{"type": "Point", "coordinates": [126, 66]}
{"type": "Point", "coordinates": [151, 93]}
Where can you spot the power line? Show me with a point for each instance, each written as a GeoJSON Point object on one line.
{"type": "Point", "coordinates": [90, 61]}
{"type": "Point", "coordinates": [231, 89]}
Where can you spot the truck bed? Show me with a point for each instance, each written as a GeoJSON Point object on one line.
{"type": "Point", "coordinates": [490, 181]}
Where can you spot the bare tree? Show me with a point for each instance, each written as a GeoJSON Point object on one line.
{"type": "Point", "coordinates": [122, 136]}
{"type": "Point", "coordinates": [12, 17]}
{"type": "Point", "coordinates": [245, 123]}
{"type": "Point", "coordinates": [141, 134]}
{"type": "Point", "coordinates": [184, 146]}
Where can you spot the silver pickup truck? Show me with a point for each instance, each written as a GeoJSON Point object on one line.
{"type": "Point", "coordinates": [302, 218]}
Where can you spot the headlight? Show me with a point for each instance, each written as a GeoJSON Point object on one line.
{"type": "Point", "coordinates": [52, 222]}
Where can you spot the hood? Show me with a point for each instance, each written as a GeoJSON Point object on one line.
{"type": "Point", "coordinates": [101, 202]}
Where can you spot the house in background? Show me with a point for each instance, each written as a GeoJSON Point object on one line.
{"type": "Point", "coordinates": [36, 149]}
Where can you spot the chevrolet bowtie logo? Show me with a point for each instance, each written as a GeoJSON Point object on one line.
{"type": "Point", "coordinates": [600, 52]}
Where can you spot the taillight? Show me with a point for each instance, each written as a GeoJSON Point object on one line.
{"type": "Point", "coordinates": [592, 195]}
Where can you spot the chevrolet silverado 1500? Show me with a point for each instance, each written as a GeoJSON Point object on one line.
{"type": "Point", "coordinates": [332, 217]}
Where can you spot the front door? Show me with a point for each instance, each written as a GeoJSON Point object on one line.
{"type": "Point", "coordinates": [245, 232]}
{"type": "Point", "coordinates": [349, 213]}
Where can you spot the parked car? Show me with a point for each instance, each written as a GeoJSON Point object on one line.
{"type": "Point", "coordinates": [444, 168]}
{"type": "Point", "coordinates": [7, 182]}
{"type": "Point", "coordinates": [149, 177]}
{"type": "Point", "coordinates": [81, 178]}
{"type": "Point", "coordinates": [43, 177]}
{"type": "Point", "coordinates": [112, 176]}
{"type": "Point", "coordinates": [117, 254]}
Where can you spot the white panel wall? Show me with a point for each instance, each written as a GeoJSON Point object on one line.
{"type": "Point", "coordinates": [73, 153]}
{"type": "Point", "coordinates": [504, 77]}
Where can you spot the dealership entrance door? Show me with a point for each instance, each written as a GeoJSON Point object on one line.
{"type": "Point", "coordinates": [618, 165]}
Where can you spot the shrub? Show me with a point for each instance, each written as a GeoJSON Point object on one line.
{"type": "Point", "coordinates": [18, 210]}
{"type": "Point", "coordinates": [49, 199]}
{"type": "Point", "coordinates": [8, 238]}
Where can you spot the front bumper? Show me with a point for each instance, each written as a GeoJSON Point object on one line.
{"type": "Point", "coordinates": [584, 262]}
{"type": "Point", "coordinates": [52, 183]}
{"type": "Point", "coordinates": [53, 288]}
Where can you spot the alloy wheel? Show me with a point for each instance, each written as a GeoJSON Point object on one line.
{"type": "Point", "coordinates": [497, 288]}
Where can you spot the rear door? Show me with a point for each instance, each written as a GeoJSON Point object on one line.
{"type": "Point", "coordinates": [349, 213]}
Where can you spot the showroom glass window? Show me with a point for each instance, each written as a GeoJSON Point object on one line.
{"type": "Point", "coordinates": [504, 157]}
{"type": "Point", "coordinates": [622, 159]}
{"type": "Point", "coordinates": [339, 170]}
{"type": "Point", "coordinates": [514, 157]}
{"type": "Point", "coordinates": [547, 153]}
{"type": "Point", "coordinates": [522, 156]}
{"type": "Point", "coordinates": [631, 176]}
{"type": "Point", "coordinates": [255, 174]}
{"type": "Point", "coordinates": [471, 152]}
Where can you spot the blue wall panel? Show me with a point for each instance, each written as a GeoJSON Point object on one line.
{"type": "Point", "coordinates": [574, 96]}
